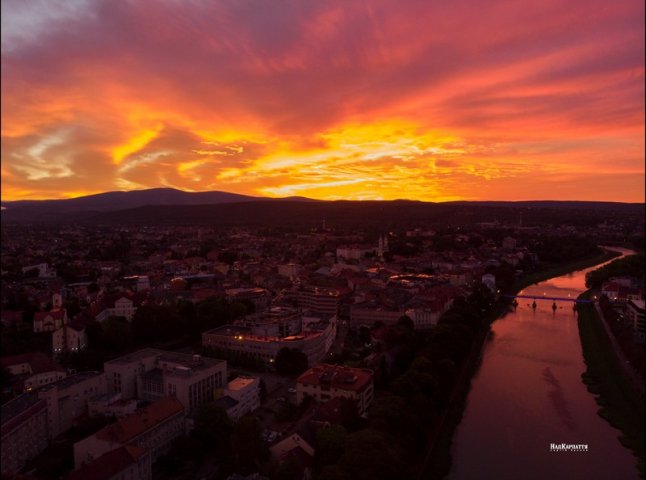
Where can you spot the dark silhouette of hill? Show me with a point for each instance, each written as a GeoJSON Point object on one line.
{"type": "Point", "coordinates": [167, 206]}
{"type": "Point", "coordinates": [57, 210]}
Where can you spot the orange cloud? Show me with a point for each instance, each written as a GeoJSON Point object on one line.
{"type": "Point", "coordinates": [501, 100]}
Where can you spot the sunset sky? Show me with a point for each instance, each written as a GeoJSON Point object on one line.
{"type": "Point", "coordinates": [427, 100]}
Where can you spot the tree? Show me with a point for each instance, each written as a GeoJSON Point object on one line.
{"type": "Point", "coordinates": [330, 443]}
{"type": "Point", "coordinates": [369, 455]}
{"type": "Point", "coordinates": [117, 335]}
{"type": "Point", "coordinates": [406, 322]}
{"type": "Point", "coordinates": [248, 447]}
{"type": "Point", "coordinates": [213, 428]}
{"type": "Point", "coordinates": [291, 361]}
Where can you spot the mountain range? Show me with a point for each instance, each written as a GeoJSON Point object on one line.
{"type": "Point", "coordinates": [172, 207]}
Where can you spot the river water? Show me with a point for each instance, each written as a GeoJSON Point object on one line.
{"type": "Point", "coordinates": [528, 393]}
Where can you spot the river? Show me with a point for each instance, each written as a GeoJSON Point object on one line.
{"type": "Point", "coordinates": [528, 394]}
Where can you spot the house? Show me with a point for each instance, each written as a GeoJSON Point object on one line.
{"type": "Point", "coordinates": [32, 370]}
{"type": "Point", "coordinates": [122, 306]}
{"type": "Point", "coordinates": [324, 382]}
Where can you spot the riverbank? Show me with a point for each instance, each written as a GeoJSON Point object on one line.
{"type": "Point", "coordinates": [552, 271]}
{"type": "Point", "coordinates": [621, 405]}
{"type": "Point", "coordinates": [437, 463]}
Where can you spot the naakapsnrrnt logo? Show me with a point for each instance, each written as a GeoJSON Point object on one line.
{"type": "Point", "coordinates": [568, 447]}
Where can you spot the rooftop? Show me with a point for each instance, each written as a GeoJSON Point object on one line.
{"type": "Point", "coordinates": [337, 376]}
{"type": "Point", "coordinates": [195, 362]}
{"type": "Point", "coordinates": [38, 361]}
{"type": "Point", "coordinates": [17, 406]}
{"type": "Point", "coordinates": [70, 380]}
{"type": "Point", "coordinates": [108, 465]}
{"type": "Point", "coordinates": [240, 383]}
{"type": "Point", "coordinates": [135, 356]}
{"type": "Point", "coordinates": [148, 417]}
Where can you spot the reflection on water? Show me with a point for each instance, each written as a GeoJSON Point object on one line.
{"type": "Point", "coordinates": [528, 393]}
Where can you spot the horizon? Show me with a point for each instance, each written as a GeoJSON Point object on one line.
{"type": "Point", "coordinates": [298, 197]}
{"type": "Point", "coordinates": [329, 101]}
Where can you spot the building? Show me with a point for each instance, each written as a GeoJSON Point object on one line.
{"type": "Point", "coordinates": [111, 405]}
{"type": "Point", "coordinates": [69, 338]}
{"type": "Point", "coordinates": [489, 280]}
{"type": "Point", "coordinates": [120, 307]}
{"type": "Point", "coordinates": [124, 463]}
{"type": "Point", "coordinates": [32, 370]}
{"type": "Point", "coordinates": [150, 374]}
{"type": "Point", "coordinates": [246, 392]}
{"type": "Point", "coordinates": [153, 427]}
{"type": "Point", "coordinates": [314, 342]}
{"type": "Point", "coordinates": [354, 252]}
{"type": "Point", "coordinates": [67, 399]}
{"type": "Point", "coordinates": [319, 300]}
{"type": "Point", "coordinates": [278, 321]}
{"type": "Point", "coordinates": [24, 431]}
{"type": "Point", "coordinates": [368, 314]}
{"type": "Point", "coordinates": [324, 382]}
{"type": "Point", "coordinates": [635, 315]}
{"type": "Point", "coordinates": [259, 297]}
{"type": "Point", "coordinates": [290, 270]}
{"type": "Point", "coordinates": [50, 321]}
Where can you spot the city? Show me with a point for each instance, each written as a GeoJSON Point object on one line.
{"type": "Point", "coordinates": [265, 349]}
{"type": "Point", "coordinates": [322, 240]}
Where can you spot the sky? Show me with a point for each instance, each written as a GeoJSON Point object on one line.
{"type": "Point", "coordinates": [425, 100]}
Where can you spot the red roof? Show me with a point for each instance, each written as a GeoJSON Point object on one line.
{"type": "Point", "coordinates": [55, 314]}
{"type": "Point", "coordinates": [148, 417]}
{"type": "Point", "coordinates": [337, 376]}
{"type": "Point", "coordinates": [109, 464]}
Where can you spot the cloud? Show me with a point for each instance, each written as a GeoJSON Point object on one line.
{"type": "Point", "coordinates": [327, 99]}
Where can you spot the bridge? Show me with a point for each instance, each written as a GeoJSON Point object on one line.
{"type": "Point", "coordinates": [554, 299]}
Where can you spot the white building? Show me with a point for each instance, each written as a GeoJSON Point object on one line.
{"type": "Point", "coordinates": [314, 342]}
{"type": "Point", "coordinates": [67, 399]}
{"type": "Point", "coordinates": [121, 307]}
{"type": "Point", "coordinates": [149, 374]}
{"type": "Point", "coordinates": [69, 338]}
{"type": "Point", "coordinates": [246, 391]}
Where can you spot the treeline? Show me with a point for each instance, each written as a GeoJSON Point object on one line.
{"type": "Point", "coordinates": [413, 391]}
{"type": "Point", "coordinates": [632, 265]}
{"type": "Point", "coordinates": [154, 325]}
{"type": "Point", "coordinates": [561, 249]}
